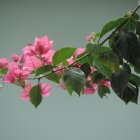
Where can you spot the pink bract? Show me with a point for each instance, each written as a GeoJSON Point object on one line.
{"type": "Point", "coordinates": [3, 63]}
{"type": "Point", "coordinates": [42, 45]}
{"type": "Point", "coordinates": [104, 82]}
{"type": "Point", "coordinates": [32, 62]}
{"type": "Point", "coordinates": [24, 94]}
{"type": "Point", "coordinates": [29, 50]}
{"type": "Point", "coordinates": [45, 89]}
{"type": "Point", "coordinates": [89, 37]}
{"type": "Point", "coordinates": [15, 57]}
{"type": "Point", "coordinates": [47, 58]}
{"type": "Point", "coordinates": [78, 52]}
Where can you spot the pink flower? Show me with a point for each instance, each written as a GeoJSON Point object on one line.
{"type": "Point", "coordinates": [89, 37]}
{"type": "Point", "coordinates": [22, 59]}
{"type": "Point", "coordinates": [104, 82]}
{"type": "Point", "coordinates": [20, 74]}
{"type": "Point", "coordinates": [75, 54]}
{"type": "Point", "coordinates": [16, 74]}
{"type": "Point", "coordinates": [45, 89]}
{"type": "Point", "coordinates": [42, 45]}
{"type": "Point", "coordinates": [25, 93]}
{"type": "Point", "coordinates": [78, 52]}
{"type": "Point", "coordinates": [47, 57]}
{"type": "Point", "coordinates": [62, 85]}
{"type": "Point", "coordinates": [15, 57]}
{"type": "Point", "coordinates": [29, 50]}
{"type": "Point", "coordinates": [90, 89]}
{"type": "Point", "coordinates": [32, 62]}
{"type": "Point", "coordinates": [8, 78]}
{"type": "Point", "coordinates": [3, 63]}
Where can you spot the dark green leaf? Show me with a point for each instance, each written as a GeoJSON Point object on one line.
{"type": "Point", "coordinates": [130, 94]}
{"type": "Point", "coordinates": [97, 77]}
{"type": "Point", "coordinates": [44, 70]}
{"type": "Point", "coordinates": [74, 78]}
{"type": "Point", "coordinates": [103, 90]}
{"type": "Point", "coordinates": [126, 46]}
{"type": "Point", "coordinates": [135, 78]}
{"type": "Point", "coordinates": [136, 16]}
{"type": "Point", "coordinates": [138, 28]}
{"type": "Point", "coordinates": [62, 54]}
{"type": "Point", "coordinates": [86, 69]}
{"type": "Point", "coordinates": [53, 77]}
{"type": "Point", "coordinates": [111, 25]}
{"type": "Point", "coordinates": [137, 70]}
{"type": "Point", "coordinates": [35, 95]}
{"type": "Point", "coordinates": [119, 80]}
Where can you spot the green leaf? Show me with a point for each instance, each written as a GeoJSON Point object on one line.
{"type": "Point", "coordinates": [44, 70]}
{"type": "Point", "coordinates": [111, 25]}
{"type": "Point", "coordinates": [62, 54]}
{"type": "Point", "coordinates": [97, 77]}
{"type": "Point", "coordinates": [53, 77]}
{"type": "Point", "coordinates": [130, 25]}
{"type": "Point", "coordinates": [74, 78]}
{"type": "Point", "coordinates": [86, 69]}
{"type": "Point", "coordinates": [135, 78]}
{"type": "Point", "coordinates": [106, 63]}
{"type": "Point", "coordinates": [35, 95]}
{"type": "Point", "coordinates": [103, 90]}
{"type": "Point", "coordinates": [3, 71]}
{"type": "Point", "coordinates": [95, 37]}
{"type": "Point", "coordinates": [93, 48]}
{"type": "Point", "coordinates": [82, 61]}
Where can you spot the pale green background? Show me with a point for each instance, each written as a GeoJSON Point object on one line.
{"type": "Point", "coordinates": [61, 117]}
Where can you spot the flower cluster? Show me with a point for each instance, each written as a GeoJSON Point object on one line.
{"type": "Point", "coordinates": [35, 56]}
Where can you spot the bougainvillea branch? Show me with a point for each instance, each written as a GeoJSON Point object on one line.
{"type": "Point", "coordinates": [81, 70]}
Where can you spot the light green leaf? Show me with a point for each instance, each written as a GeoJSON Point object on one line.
{"type": "Point", "coordinates": [62, 54]}
{"type": "Point", "coordinates": [35, 95]}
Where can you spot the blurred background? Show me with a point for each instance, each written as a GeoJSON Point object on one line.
{"type": "Point", "coordinates": [61, 117]}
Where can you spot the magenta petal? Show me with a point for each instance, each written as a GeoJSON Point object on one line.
{"type": "Point", "coordinates": [24, 94]}
{"type": "Point", "coordinates": [45, 89]}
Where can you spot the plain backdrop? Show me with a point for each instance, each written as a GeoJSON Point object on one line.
{"type": "Point", "coordinates": [61, 117]}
